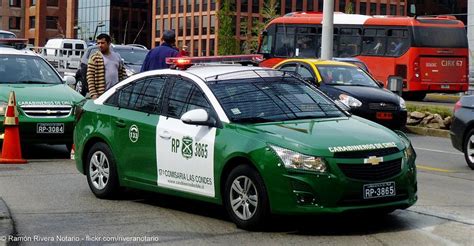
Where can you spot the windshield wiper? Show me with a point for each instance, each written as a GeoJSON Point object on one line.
{"type": "Point", "coordinates": [32, 82]}
{"type": "Point", "coordinates": [251, 120]}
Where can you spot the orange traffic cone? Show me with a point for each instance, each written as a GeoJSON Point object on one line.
{"type": "Point", "coordinates": [73, 151]}
{"type": "Point", "coordinates": [11, 151]}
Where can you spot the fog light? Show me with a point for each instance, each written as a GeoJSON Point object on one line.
{"type": "Point", "coordinates": [305, 198]}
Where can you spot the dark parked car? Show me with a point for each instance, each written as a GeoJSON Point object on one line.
{"type": "Point", "coordinates": [352, 86]}
{"type": "Point", "coordinates": [133, 57]}
{"type": "Point", "coordinates": [462, 128]}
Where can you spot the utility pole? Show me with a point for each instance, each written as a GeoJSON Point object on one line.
{"type": "Point", "coordinates": [328, 33]}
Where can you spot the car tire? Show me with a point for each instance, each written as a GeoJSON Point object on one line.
{"type": "Point", "coordinates": [101, 171]}
{"type": "Point", "coordinates": [245, 198]}
{"type": "Point", "coordinates": [468, 148]}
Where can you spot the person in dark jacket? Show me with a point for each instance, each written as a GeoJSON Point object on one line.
{"type": "Point", "coordinates": [156, 58]}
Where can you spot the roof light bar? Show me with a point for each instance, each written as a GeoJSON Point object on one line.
{"type": "Point", "coordinates": [185, 62]}
{"type": "Point", "coordinates": [17, 43]}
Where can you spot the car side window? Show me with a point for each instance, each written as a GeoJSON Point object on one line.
{"type": "Point", "coordinates": [288, 68]}
{"type": "Point", "coordinates": [306, 74]}
{"type": "Point", "coordinates": [144, 95]}
{"type": "Point", "coordinates": [185, 96]}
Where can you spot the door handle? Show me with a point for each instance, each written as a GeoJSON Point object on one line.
{"type": "Point", "coordinates": [165, 134]}
{"type": "Point", "coordinates": [120, 123]}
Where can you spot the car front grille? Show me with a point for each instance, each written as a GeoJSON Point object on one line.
{"type": "Point", "coordinates": [380, 106]}
{"type": "Point", "coordinates": [383, 170]}
{"type": "Point", "coordinates": [47, 111]}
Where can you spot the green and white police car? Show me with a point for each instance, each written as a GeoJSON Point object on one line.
{"type": "Point", "coordinates": [45, 102]}
{"type": "Point", "coordinates": [258, 141]}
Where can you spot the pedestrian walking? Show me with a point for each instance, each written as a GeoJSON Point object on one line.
{"type": "Point", "coordinates": [156, 58]}
{"type": "Point", "coordinates": [105, 68]}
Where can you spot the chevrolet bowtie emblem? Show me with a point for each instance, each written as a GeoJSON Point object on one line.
{"type": "Point", "coordinates": [48, 111]}
{"type": "Point", "coordinates": [373, 160]}
{"type": "Point", "coordinates": [383, 104]}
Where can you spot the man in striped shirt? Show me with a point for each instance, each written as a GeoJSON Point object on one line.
{"type": "Point", "coordinates": [105, 68]}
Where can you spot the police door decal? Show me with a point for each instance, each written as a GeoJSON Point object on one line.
{"type": "Point", "coordinates": [185, 156]}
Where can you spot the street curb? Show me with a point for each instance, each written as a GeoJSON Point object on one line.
{"type": "Point", "coordinates": [6, 223]}
{"type": "Point", "coordinates": [428, 131]}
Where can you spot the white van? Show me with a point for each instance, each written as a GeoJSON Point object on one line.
{"type": "Point", "coordinates": [65, 51]}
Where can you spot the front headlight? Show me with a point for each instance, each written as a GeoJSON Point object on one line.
{"type": "Point", "coordinates": [3, 107]}
{"type": "Point", "coordinates": [402, 103]}
{"type": "Point", "coordinates": [350, 101]}
{"type": "Point", "coordinates": [295, 160]}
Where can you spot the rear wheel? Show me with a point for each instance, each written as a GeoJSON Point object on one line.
{"type": "Point", "coordinates": [101, 171]}
{"type": "Point", "coordinates": [245, 198]}
{"type": "Point", "coordinates": [469, 148]}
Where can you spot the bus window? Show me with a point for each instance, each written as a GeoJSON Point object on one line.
{"type": "Point", "coordinates": [285, 41]}
{"type": "Point", "coordinates": [267, 41]}
{"type": "Point", "coordinates": [374, 42]}
{"type": "Point", "coordinates": [306, 44]}
{"type": "Point", "coordinates": [440, 37]}
{"type": "Point", "coordinates": [397, 41]}
{"type": "Point", "coordinates": [349, 42]}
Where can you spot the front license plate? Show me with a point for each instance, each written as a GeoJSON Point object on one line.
{"type": "Point", "coordinates": [384, 115]}
{"type": "Point", "coordinates": [379, 190]}
{"type": "Point", "coordinates": [50, 128]}
{"type": "Point", "coordinates": [444, 86]}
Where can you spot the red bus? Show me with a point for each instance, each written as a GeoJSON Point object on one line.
{"type": "Point", "coordinates": [429, 53]}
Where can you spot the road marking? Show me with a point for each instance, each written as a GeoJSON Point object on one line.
{"type": "Point", "coordinates": [434, 169]}
{"type": "Point", "coordinates": [440, 151]}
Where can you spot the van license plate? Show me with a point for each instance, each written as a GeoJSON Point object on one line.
{"type": "Point", "coordinates": [379, 190]}
{"type": "Point", "coordinates": [50, 128]}
{"type": "Point", "coordinates": [444, 86]}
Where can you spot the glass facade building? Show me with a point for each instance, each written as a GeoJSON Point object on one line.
{"type": "Point", "coordinates": [92, 15]}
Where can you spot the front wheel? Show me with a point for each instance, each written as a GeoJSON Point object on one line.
{"type": "Point", "coordinates": [469, 148]}
{"type": "Point", "coordinates": [245, 198]}
{"type": "Point", "coordinates": [101, 171]}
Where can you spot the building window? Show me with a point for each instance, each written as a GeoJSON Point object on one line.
{"type": "Point", "coordinates": [189, 6]}
{"type": "Point", "coordinates": [213, 5]}
{"type": "Point", "coordinates": [342, 6]}
{"type": "Point", "coordinates": [310, 5]}
{"type": "Point", "coordinates": [363, 8]}
{"type": "Point", "coordinates": [212, 27]}
{"type": "Point", "coordinates": [173, 24]}
{"type": "Point", "coordinates": [166, 7]}
{"type": "Point", "coordinates": [14, 22]}
{"type": "Point", "coordinates": [180, 26]}
{"type": "Point", "coordinates": [211, 47]}
{"type": "Point", "coordinates": [203, 47]}
{"type": "Point", "coordinates": [244, 6]}
{"type": "Point", "coordinates": [32, 22]}
{"type": "Point", "coordinates": [288, 7]}
{"type": "Point", "coordinates": [181, 6]}
{"type": "Point", "coordinates": [299, 5]}
{"type": "Point", "coordinates": [166, 24]}
{"type": "Point", "coordinates": [196, 48]}
{"type": "Point", "coordinates": [173, 6]}
{"type": "Point", "coordinates": [188, 26]}
{"type": "Point", "coordinates": [32, 2]}
{"type": "Point", "coordinates": [196, 25]}
{"type": "Point", "coordinates": [383, 9]}
{"type": "Point", "coordinates": [320, 5]}
{"type": "Point", "coordinates": [393, 9]}
{"type": "Point", "coordinates": [158, 28]}
{"type": "Point", "coordinates": [158, 7]}
{"type": "Point", "coordinates": [54, 3]}
{"type": "Point", "coordinates": [197, 5]}
{"type": "Point", "coordinates": [15, 3]}
{"type": "Point", "coordinates": [204, 24]}
{"type": "Point", "coordinates": [402, 10]}
{"type": "Point", "coordinates": [204, 5]}
{"type": "Point", "coordinates": [373, 8]}
{"type": "Point", "coordinates": [51, 22]}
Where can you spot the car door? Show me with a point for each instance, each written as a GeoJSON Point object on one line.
{"type": "Point", "coordinates": [134, 128]}
{"type": "Point", "coordinates": [185, 153]}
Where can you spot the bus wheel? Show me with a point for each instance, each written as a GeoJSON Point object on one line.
{"type": "Point", "coordinates": [245, 198]}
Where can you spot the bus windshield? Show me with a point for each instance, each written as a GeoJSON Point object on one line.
{"type": "Point", "coordinates": [440, 37]}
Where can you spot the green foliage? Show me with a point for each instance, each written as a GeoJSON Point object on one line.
{"type": "Point", "coordinates": [268, 12]}
{"type": "Point", "coordinates": [443, 111]}
{"type": "Point", "coordinates": [349, 8]}
{"type": "Point", "coordinates": [228, 44]}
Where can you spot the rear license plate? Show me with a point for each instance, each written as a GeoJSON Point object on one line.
{"type": "Point", "coordinates": [50, 128]}
{"type": "Point", "coordinates": [384, 115]}
{"type": "Point", "coordinates": [444, 86]}
{"type": "Point", "coordinates": [379, 190]}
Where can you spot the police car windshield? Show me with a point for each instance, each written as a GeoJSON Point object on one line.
{"type": "Point", "coordinates": [272, 99]}
{"type": "Point", "coordinates": [20, 69]}
{"type": "Point", "coordinates": [345, 75]}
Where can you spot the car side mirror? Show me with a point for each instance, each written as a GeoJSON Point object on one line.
{"type": "Point", "coordinates": [198, 117]}
{"type": "Point", "coordinates": [70, 80]}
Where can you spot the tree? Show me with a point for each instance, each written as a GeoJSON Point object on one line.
{"type": "Point", "coordinates": [228, 44]}
{"type": "Point", "coordinates": [268, 12]}
{"type": "Point", "coordinates": [349, 8]}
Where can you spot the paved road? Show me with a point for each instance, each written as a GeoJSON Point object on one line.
{"type": "Point", "coordinates": [50, 198]}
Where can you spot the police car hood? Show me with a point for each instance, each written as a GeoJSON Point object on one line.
{"type": "Point", "coordinates": [40, 94]}
{"type": "Point", "coordinates": [324, 137]}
